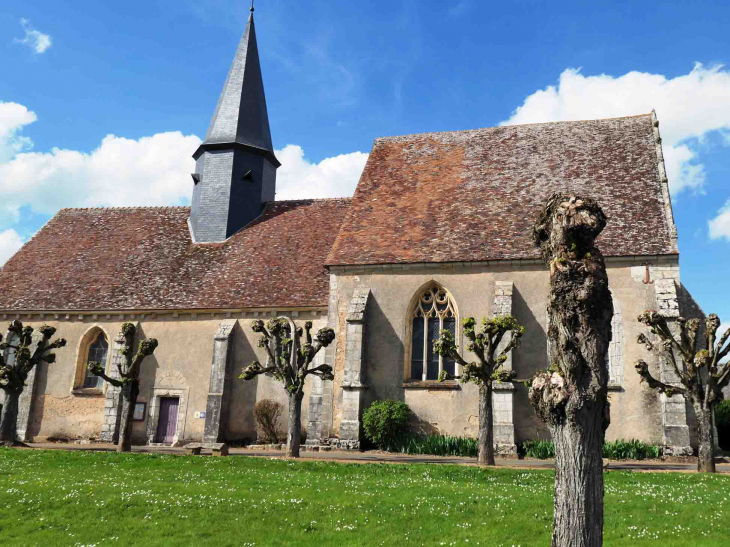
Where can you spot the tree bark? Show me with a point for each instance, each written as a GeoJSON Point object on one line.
{"type": "Point", "coordinates": [294, 435]}
{"type": "Point", "coordinates": [9, 420]}
{"type": "Point", "coordinates": [130, 393]}
{"type": "Point", "coordinates": [579, 480]}
{"type": "Point", "coordinates": [706, 453]}
{"type": "Point", "coordinates": [486, 425]}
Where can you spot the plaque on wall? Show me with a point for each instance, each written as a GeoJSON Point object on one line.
{"type": "Point", "coordinates": [139, 409]}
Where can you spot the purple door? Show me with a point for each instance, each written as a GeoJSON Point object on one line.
{"type": "Point", "coordinates": [167, 423]}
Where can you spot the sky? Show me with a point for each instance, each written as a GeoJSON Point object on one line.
{"type": "Point", "coordinates": [103, 104]}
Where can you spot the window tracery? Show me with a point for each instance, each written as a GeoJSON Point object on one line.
{"type": "Point", "coordinates": [434, 310]}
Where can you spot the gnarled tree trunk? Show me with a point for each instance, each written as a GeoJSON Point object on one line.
{"type": "Point", "coordinates": [9, 420]}
{"type": "Point", "coordinates": [294, 434]}
{"type": "Point", "coordinates": [706, 453]}
{"type": "Point", "coordinates": [572, 396]}
{"type": "Point", "coordinates": [130, 392]}
{"type": "Point", "coordinates": [486, 425]}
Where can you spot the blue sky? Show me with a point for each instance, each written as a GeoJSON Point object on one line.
{"type": "Point", "coordinates": [103, 103]}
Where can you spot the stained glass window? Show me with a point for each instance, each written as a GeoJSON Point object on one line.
{"type": "Point", "coordinates": [97, 352]}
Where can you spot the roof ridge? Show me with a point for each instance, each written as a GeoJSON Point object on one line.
{"type": "Point", "coordinates": [393, 137]}
{"type": "Point", "coordinates": [124, 208]}
{"type": "Point", "coordinates": [308, 199]}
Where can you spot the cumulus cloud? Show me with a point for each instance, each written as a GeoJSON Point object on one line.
{"type": "Point", "coordinates": [13, 117]}
{"type": "Point", "coordinates": [720, 225]}
{"type": "Point", "coordinates": [34, 39]}
{"type": "Point", "coordinates": [689, 107]}
{"type": "Point", "coordinates": [152, 170]}
{"type": "Point", "coordinates": [298, 178]}
{"type": "Point", "coordinates": [10, 242]}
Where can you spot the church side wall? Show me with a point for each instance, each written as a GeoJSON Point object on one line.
{"type": "Point", "coordinates": [636, 412]}
{"type": "Point", "coordinates": [182, 362]}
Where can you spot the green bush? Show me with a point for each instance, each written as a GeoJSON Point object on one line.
{"type": "Point", "coordinates": [616, 450]}
{"type": "Point", "coordinates": [722, 421]}
{"type": "Point", "coordinates": [384, 421]}
{"type": "Point", "coordinates": [435, 445]}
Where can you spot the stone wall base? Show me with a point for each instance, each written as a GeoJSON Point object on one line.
{"type": "Point", "coordinates": [677, 451]}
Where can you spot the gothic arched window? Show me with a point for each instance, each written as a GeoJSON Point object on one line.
{"type": "Point", "coordinates": [93, 346]}
{"type": "Point", "coordinates": [434, 310]}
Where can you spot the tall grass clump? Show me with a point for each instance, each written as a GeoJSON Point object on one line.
{"type": "Point", "coordinates": [616, 450]}
{"type": "Point", "coordinates": [435, 445]}
{"type": "Point", "coordinates": [630, 450]}
{"type": "Point", "coordinates": [539, 449]}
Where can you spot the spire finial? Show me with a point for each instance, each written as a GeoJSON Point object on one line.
{"type": "Point", "coordinates": [252, 6]}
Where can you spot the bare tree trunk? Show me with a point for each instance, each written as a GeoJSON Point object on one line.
{"type": "Point", "coordinates": [294, 435]}
{"type": "Point", "coordinates": [130, 393]}
{"type": "Point", "coordinates": [486, 425]}
{"type": "Point", "coordinates": [579, 480]}
{"type": "Point", "coordinates": [706, 453]}
{"type": "Point", "coordinates": [9, 420]}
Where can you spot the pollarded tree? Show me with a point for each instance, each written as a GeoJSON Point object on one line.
{"type": "Point", "coordinates": [485, 345]}
{"type": "Point", "coordinates": [128, 380]}
{"type": "Point", "coordinates": [288, 360]}
{"type": "Point", "coordinates": [26, 353]}
{"type": "Point", "coordinates": [698, 367]}
{"type": "Point", "coordinates": [572, 395]}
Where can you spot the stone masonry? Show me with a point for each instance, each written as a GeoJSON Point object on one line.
{"type": "Point", "coordinates": [353, 389]}
{"type": "Point", "coordinates": [113, 402]}
{"type": "Point", "coordinates": [216, 410]}
{"type": "Point", "coordinates": [675, 431]}
{"type": "Point", "coordinates": [503, 399]}
{"type": "Point", "coordinates": [319, 417]}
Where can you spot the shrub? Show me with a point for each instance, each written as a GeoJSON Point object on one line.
{"type": "Point", "coordinates": [267, 414]}
{"type": "Point", "coordinates": [384, 421]}
{"type": "Point", "coordinates": [722, 421]}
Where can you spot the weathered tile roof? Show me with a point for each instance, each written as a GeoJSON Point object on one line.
{"type": "Point", "coordinates": [474, 195]}
{"type": "Point", "coordinates": [143, 258]}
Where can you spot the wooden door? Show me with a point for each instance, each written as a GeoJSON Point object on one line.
{"type": "Point", "coordinates": [167, 424]}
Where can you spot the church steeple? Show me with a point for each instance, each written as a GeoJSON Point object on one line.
{"type": "Point", "coordinates": [236, 167]}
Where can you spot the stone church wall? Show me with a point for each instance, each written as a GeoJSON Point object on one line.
{"type": "Point", "coordinates": [636, 412]}
{"type": "Point", "coordinates": [181, 366]}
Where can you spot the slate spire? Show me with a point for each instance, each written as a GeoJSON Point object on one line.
{"type": "Point", "coordinates": [236, 167]}
{"type": "Point", "coordinates": [240, 115]}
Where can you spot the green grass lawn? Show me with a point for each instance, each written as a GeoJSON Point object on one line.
{"type": "Point", "coordinates": [50, 498]}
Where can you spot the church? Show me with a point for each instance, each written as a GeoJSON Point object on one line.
{"type": "Point", "coordinates": [438, 230]}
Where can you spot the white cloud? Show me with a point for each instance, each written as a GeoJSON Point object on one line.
{"type": "Point", "coordinates": [688, 106]}
{"type": "Point", "coordinates": [120, 172]}
{"type": "Point", "coordinates": [297, 178]}
{"type": "Point", "coordinates": [10, 242]}
{"type": "Point", "coordinates": [152, 170]}
{"type": "Point", "coordinates": [13, 117]}
{"type": "Point", "coordinates": [34, 39]}
{"type": "Point", "coordinates": [720, 225]}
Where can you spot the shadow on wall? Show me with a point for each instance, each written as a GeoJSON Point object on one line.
{"type": "Point", "coordinates": [384, 354]}
{"type": "Point", "coordinates": [528, 358]}
{"type": "Point", "coordinates": [242, 394]}
{"type": "Point", "coordinates": [147, 377]}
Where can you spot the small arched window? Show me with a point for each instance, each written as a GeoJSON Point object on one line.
{"type": "Point", "coordinates": [433, 311]}
{"type": "Point", "coordinates": [98, 350]}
